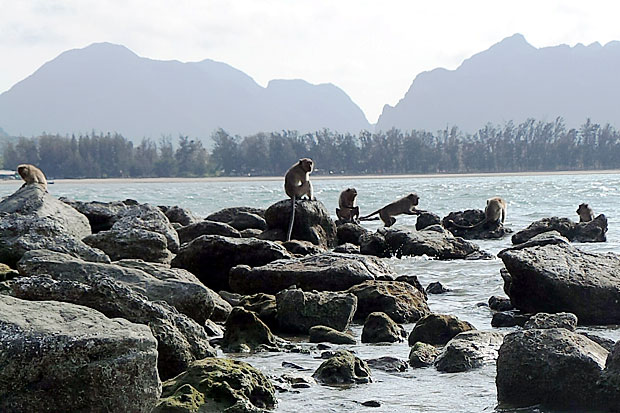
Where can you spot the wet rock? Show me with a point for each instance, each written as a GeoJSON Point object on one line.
{"type": "Point", "coordinates": [180, 215]}
{"type": "Point", "coordinates": [197, 229]}
{"type": "Point", "coordinates": [436, 288]}
{"type": "Point", "coordinates": [489, 230]}
{"type": "Point", "coordinates": [210, 257]}
{"type": "Point", "coordinates": [388, 364]}
{"type": "Point", "coordinates": [500, 303]}
{"type": "Point", "coordinates": [157, 282]}
{"type": "Point", "coordinates": [546, 238]}
{"type": "Point", "coordinates": [101, 215]}
{"type": "Point", "coordinates": [312, 221]}
{"type": "Point", "coordinates": [33, 219]}
{"type": "Point", "coordinates": [592, 231]}
{"type": "Point", "coordinates": [413, 281]}
{"type": "Point", "coordinates": [218, 385]}
{"type": "Point", "coordinates": [264, 305]}
{"type": "Point", "coordinates": [380, 328]}
{"type": "Point", "coordinates": [324, 272]}
{"type": "Point", "coordinates": [347, 249]}
{"type": "Point", "coordinates": [402, 302]}
{"type": "Point", "coordinates": [342, 368]}
{"type": "Point", "coordinates": [562, 369]}
{"type": "Point", "coordinates": [244, 332]}
{"type": "Point", "coordinates": [422, 355]}
{"type": "Point", "coordinates": [562, 278]}
{"type": "Point", "coordinates": [302, 247]}
{"type": "Point", "coordinates": [509, 319]}
{"type": "Point", "coordinates": [320, 334]}
{"type": "Point", "coordinates": [371, 403]}
{"type": "Point", "coordinates": [63, 357]}
{"type": "Point", "coordinates": [469, 350]}
{"type": "Point", "coordinates": [559, 320]}
{"type": "Point", "coordinates": [374, 244]}
{"type": "Point", "coordinates": [221, 308]}
{"type": "Point", "coordinates": [438, 329]}
{"type": "Point", "coordinates": [427, 219]}
{"type": "Point", "coordinates": [180, 340]}
{"type": "Point", "coordinates": [227, 215]}
{"type": "Point", "coordinates": [350, 233]}
{"type": "Point", "coordinates": [299, 310]}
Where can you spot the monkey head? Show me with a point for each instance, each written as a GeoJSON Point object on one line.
{"type": "Point", "coordinates": [582, 208]}
{"type": "Point", "coordinates": [352, 191]}
{"type": "Point", "coordinates": [23, 170]}
{"type": "Point", "coordinates": [413, 198]}
{"type": "Point", "coordinates": [306, 164]}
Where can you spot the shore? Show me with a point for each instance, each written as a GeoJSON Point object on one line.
{"type": "Point", "coordinates": [316, 177]}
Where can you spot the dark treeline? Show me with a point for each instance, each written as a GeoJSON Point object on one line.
{"type": "Point", "coordinates": [529, 146]}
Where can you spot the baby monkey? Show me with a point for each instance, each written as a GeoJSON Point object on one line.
{"type": "Point", "coordinates": [297, 184]}
{"type": "Point", "coordinates": [348, 211]}
{"type": "Point", "coordinates": [31, 175]}
{"type": "Point", "coordinates": [404, 205]}
{"type": "Point", "coordinates": [585, 212]}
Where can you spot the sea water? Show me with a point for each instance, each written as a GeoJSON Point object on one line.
{"type": "Point", "coordinates": [471, 283]}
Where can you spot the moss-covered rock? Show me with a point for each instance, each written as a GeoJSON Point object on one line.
{"type": "Point", "coordinates": [343, 368]}
{"type": "Point", "coordinates": [217, 385]}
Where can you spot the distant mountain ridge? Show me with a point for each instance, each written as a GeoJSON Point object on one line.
{"type": "Point", "coordinates": [107, 87]}
{"type": "Point", "coordinates": [513, 80]}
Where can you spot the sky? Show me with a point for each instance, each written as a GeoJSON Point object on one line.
{"type": "Point", "coordinates": [371, 49]}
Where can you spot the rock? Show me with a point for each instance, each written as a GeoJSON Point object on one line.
{"type": "Point", "coordinates": [218, 385]}
{"type": "Point", "coordinates": [437, 329]}
{"type": "Point", "coordinates": [371, 403]}
{"type": "Point", "coordinates": [422, 355]}
{"type": "Point", "coordinates": [302, 247]}
{"type": "Point", "coordinates": [400, 301]}
{"type": "Point", "coordinates": [227, 215]}
{"type": "Point", "coordinates": [592, 231]}
{"type": "Point", "coordinates": [342, 368]}
{"type": "Point", "coordinates": [413, 281]}
{"type": "Point", "coordinates": [264, 305]}
{"type": "Point", "coordinates": [469, 350]}
{"type": "Point", "coordinates": [299, 310]}
{"type": "Point", "coordinates": [509, 319]}
{"type": "Point", "coordinates": [197, 229]}
{"type": "Point", "coordinates": [374, 244]}
{"type": "Point", "coordinates": [380, 328]}
{"type": "Point", "coordinates": [562, 369]}
{"type": "Point", "coordinates": [546, 238]}
{"type": "Point", "coordinates": [559, 320]}
{"type": "Point", "coordinates": [562, 278]}
{"type": "Point", "coordinates": [436, 288]}
{"type": "Point", "coordinates": [312, 221]}
{"type": "Point", "coordinates": [324, 272]}
{"type": "Point", "coordinates": [180, 340]}
{"type": "Point", "coordinates": [64, 357]}
{"type": "Point", "coordinates": [181, 215]}
{"type": "Point", "coordinates": [500, 303]}
{"type": "Point", "coordinates": [347, 249]}
{"type": "Point", "coordinates": [320, 334]}
{"type": "Point", "coordinates": [142, 231]}
{"type": "Point", "coordinates": [213, 329]}
{"type": "Point", "coordinates": [32, 219]}
{"type": "Point", "coordinates": [609, 383]}
{"type": "Point", "coordinates": [388, 364]}
{"type": "Point", "coordinates": [426, 219]}
{"type": "Point", "coordinates": [250, 233]}
{"type": "Point", "coordinates": [221, 309]}
{"type": "Point", "coordinates": [247, 220]}
{"type": "Point", "coordinates": [489, 230]}
{"type": "Point", "coordinates": [350, 233]}
{"type": "Point", "coordinates": [210, 257]}
{"type": "Point", "coordinates": [101, 215]}
{"type": "Point", "coordinates": [606, 343]}
{"type": "Point", "coordinates": [7, 273]}
{"type": "Point", "coordinates": [244, 332]}
{"type": "Point", "coordinates": [157, 282]}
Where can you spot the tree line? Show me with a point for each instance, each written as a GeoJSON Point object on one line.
{"type": "Point", "coordinates": [529, 146]}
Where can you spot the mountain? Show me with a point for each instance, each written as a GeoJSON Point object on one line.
{"type": "Point", "coordinates": [513, 80]}
{"type": "Point", "coordinates": [107, 87]}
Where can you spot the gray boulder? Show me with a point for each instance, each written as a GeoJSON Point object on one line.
{"type": "Point", "coordinates": [562, 278]}
{"type": "Point", "coordinates": [246, 220]}
{"type": "Point", "coordinates": [64, 357]}
{"type": "Point", "coordinates": [227, 215]}
{"type": "Point", "coordinates": [388, 364]}
{"type": "Point", "coordinates": [562, 370]}
{"type": "Point", "coordinates": [245, 332]}
{"type": "Point", "coordinates": [324, 334]}
{"type": "Point", "coordinates": [609, 383]}
{"type": "Point", "coordinates": [592, 231]}
{"type": "Point", "coordinates": [559, 320]}
{"type": "Point", "coordinates": [489, 230]}
{"type": "Point", "coordinates": [312, 221]}
{"type": "Point", "coordinates": [197, 229]}
{"type": "Point", "coordinates": [437, 329]}
{"type": "Point", "coordinates": [432, 241]}
{"type": "Point", "coordinates": [374, 244]}
{"type": "Point", "coordinates": [380, 328]}
{"type": "Point", "coordinates": [221, 309]}
{"type": "Point", "coordinates": [343, 368]}
{"type": "Point", "coordinates": [401, 301]}
{"type": "Point", "coordinates": [422, 355]}
{"type": "Point", "coordinates": [298, 247]}
{"type": "Point", "coordinates": [32, 219]}
{"type": "Point", "coordinates": [299, 310]}
{"type": "Point", "coordinates": [350, 233]}
{"type": "Point", "coordinates": [324, 272]}
{"type": "Point", "coordinates": [101, 215]}
{"type": "Point", "coordinates": [347, 249]}
{"type": "Point", "coordinates": [180, 215]}
{"type": "Point", "coordinates": [426, 219]}
{"type": "Point", "coordinates": [210, 257]}
{"type": "Point", "coordinates": [469, 350]}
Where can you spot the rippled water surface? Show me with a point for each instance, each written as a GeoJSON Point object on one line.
{"type": "Point", "coordinates": [470, 282]}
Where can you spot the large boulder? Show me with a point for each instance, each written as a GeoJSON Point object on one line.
{"type": "Point", "coordinates": [401, 301]}
{"type": "Point", "coordinates": [343, 368]}
{"type": "Point", "coordinates": [180, 340]}
{"type": "Point", "coordinates": [312, 221]}
{"type": "Point", "coordinates": [101, 215]}
{"type": "Point", "coordinates": [350, 233]}
{"type": "Point", "coordinates": [555, 368]}
{"type": "Point", "coordinates": [469, 350]}
{"type": "Point", "coordinates": [214, 385]}
{"type": "Point", "coordinates": [456, 221]}
{"type": "Point", "coordinates": [559, 320]}
{"type": "Point", "coordinates": [591, 231]}
{"type": "Point", "coordinates": [210, 257]}
{"type": "Point", "coordinates": [158, 282]}
{"type": "Point", "coordinates": [245, 332]}
{"type": "Point", "coordinates": [264, 305]}
{"type": "Point", "coordinates": [324, 334]}
{"type": "Point", "coordinates": [438, 329]}
{"type": "Point", "coordinates": [180, 215]}
{"type": "Point", "coordinates": [228, 215]}
{"type": "Point", "coordinates": [562, 278]}
{"type": "Point", "coordinates": [32, 219]}
{"type": "Point", "coordinates": [426, 219]}
{"type": "Point", "coordinates": [299, 310]}
{"type": "Point", "coordinates": [609, 383]}
{"type": "Point", "coordinates": [197, 229]}
{"type": "Point", "coordinates": [64, 357]}
{"type": "Point", "coordinates": [324, 272]}
{"type": "Point", "coordinates": [380, 328]}
{"type": "Point", "coordinates": [422, 355]}
{"type": "Point", "coordinates": [142, 231]}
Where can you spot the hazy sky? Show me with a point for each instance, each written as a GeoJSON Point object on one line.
{"type": "Point", "coordinates": [371, 49]}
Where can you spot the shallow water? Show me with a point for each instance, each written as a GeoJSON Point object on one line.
{"type": "Point", "coordinates": [470, 282]}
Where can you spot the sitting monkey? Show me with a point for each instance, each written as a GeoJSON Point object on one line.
{"type": "Point", "coordinates": [297, 184]}
{"type": "Point", "coordinates": [348, 211]}
{"type": "Point", "coordinates": [585, 212]}
{"type": "Point", "coordinates": [494, 212]}
{"type": "Point", "coordinates": [31, 175]}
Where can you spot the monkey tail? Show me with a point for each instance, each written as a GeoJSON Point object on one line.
{"type": "Point", "coordinates": [367, 217]}
{"type": "Point", "coordinates": [290, 225]}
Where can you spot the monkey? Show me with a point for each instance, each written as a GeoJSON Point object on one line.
{"type": "Point", "coordinates": [494, 212]}
{"type": "Point", "coordinates": [585, 212]}
{"type": "Point", "coordinates": [404, 205]}
{"type": "Point", "coordinates": [297, 184]}
{"type": "Point", "coordinates": [31, 175]}
{"type": "Point", "coordinates": [348, 212]}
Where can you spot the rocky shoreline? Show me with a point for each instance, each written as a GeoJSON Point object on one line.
{"type": "Point", "coordinates": [123, 306]}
